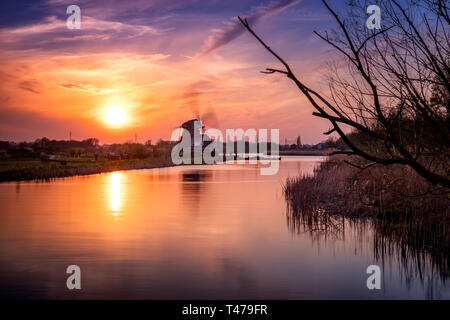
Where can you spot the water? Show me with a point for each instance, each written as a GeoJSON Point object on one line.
{"type": "Point", "coordinates": [208, 232]}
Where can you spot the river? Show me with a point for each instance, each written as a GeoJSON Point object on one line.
{"type": "Point", "coordinates": [203, 232]}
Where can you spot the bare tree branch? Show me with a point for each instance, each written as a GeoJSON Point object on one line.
{"type": "Point", "coordinates": [396, 93]}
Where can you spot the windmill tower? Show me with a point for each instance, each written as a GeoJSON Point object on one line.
{"type": "Point", "coordinates": [195, 129]}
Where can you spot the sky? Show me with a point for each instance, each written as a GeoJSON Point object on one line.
{"type": "Point", "coordinates": [162, 62]}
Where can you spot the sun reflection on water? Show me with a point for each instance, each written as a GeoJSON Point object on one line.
{"type": "Point", "coordinates": [115, 178]}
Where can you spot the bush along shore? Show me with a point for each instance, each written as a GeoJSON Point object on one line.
{"type": "Point", "coordinates": [397, 202]}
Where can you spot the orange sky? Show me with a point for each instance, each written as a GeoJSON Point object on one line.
{"type": "Point", "coordinates": [56, 80]}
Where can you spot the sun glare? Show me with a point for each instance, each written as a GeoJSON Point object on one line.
{"type": "Point", "coordinates": [116, 116]}
{"type": "Point", "coordinates": [115, 192]}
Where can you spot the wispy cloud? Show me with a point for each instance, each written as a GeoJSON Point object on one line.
{"type": "Point", "coordinates": [234, 29]}
{"type": "Point", "coordinates": [28, 86]}
{"type": "Point", "coordinates": [87, 87]}
{"type": "Point", "coordinates": [52, 34]}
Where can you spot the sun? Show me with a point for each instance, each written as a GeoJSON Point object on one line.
{"type": "Point", "coordinates": [116, 116]}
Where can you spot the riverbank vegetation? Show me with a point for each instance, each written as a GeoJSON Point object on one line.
{"type": "Point", "coordinates": [29, 169]}
{"type": "Point", "coordinates": [408, 217]}
{"type": "Point", "coordinates": [46, 159]}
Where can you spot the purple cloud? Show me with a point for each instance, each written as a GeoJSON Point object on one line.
{"type": "Point", "coordinates": [234, 29]}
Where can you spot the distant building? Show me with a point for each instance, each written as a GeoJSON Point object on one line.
{"type": "Point", "coordinates": [299, 142]}
{"type": "Point", "coordinates": [113, 156]}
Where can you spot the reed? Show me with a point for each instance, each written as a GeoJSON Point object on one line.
{"type": "Point", "coordinates": [407, 218]}
{"type": "Point", "coordinates": [398, 202]}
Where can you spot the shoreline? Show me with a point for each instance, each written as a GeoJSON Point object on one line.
{"type": "Point", "coordinates": [305, 153]}
{"type": "Point", "coordinates": [40, 171]}
{"type": "Point", "coordinates": [36, 170]}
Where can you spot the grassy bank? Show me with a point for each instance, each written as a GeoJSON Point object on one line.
{"type": "Point", "coordinates": [35, 169]}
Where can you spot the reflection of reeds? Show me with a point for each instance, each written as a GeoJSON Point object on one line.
{"type": "Point", "coordinates": [408, 219]}
{"type": "Point", "coordinates": [420, 245]}
{"type": "Point", "coordinates": [416, 260]}
{"type": "Point", "coordinates": [314, 222]}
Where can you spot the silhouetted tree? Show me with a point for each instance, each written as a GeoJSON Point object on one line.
{"type": "Point", "coordinates": [394, 88]}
